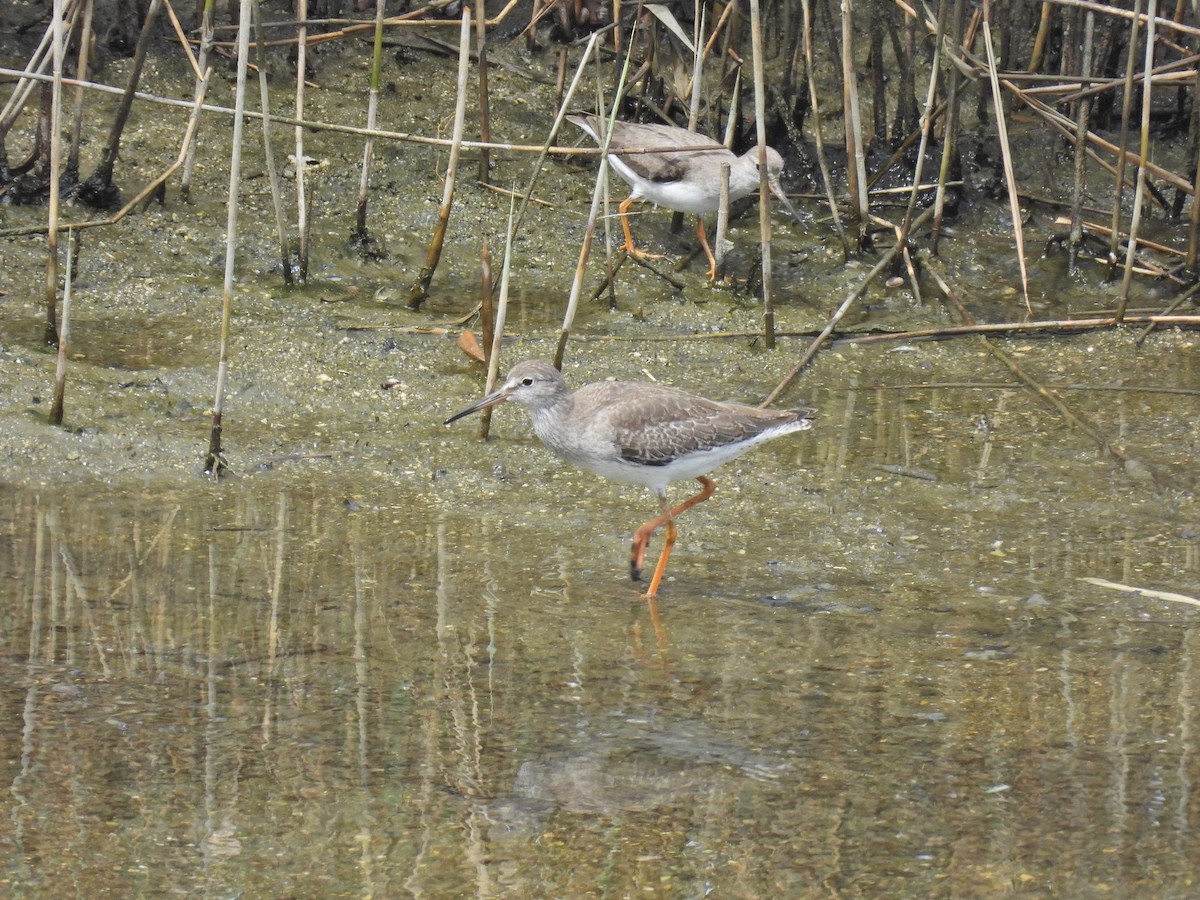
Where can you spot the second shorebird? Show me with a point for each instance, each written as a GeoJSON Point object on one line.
{"type": "Point", "coordinates": [640, 433]}
{"type": "Point", "coordinates": [684, 175]}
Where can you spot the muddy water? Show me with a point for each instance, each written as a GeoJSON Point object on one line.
{"type": "Point", "coordinates": [875, 670]}
{"type": "Point", "coordinates": [384, 658]}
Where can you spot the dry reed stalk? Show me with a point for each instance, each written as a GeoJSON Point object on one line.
{"type": "Point", "coordinates": [269, 155]}
{"type": "Point", "coordinates": [99, 187]}
{"type": "Point", "coordinates": [1176, 71]}
{"type": "Point", "coordinates": [1010, 178]}
{"type": "Point", "coordinates": [1140, 190]}
{"type": "Point", "coordinates": [485, 106]}
{"type": "Point", "coordinates": [818, 138]}
{"type": "Point", "coordinates": [301, 164]}
{"type": "Point", "coordinates": [64, 340]}
{"type": "Point", "coordinates": [1175, 304]}
{"type": "Point", "coordinates": [719, 28]}
{"type": "Point", "coordinates": [81, 65]}
{"type": "Point", "coordinates": [926, 124]}
{"type": "Point", "coordinates": [731, 121]}
{"type": "Point", "coordinates": [1065, 127]}
{"type": "Point", "coordinates": [547, 148]}
{"type": "Point", "coordinates": [214, 463]}
{"type": "Point", "coordinates": [1194, 213]}
{"type": "Point", "coordinates": [318, 125]}
{"type": "Point", "coordinates": [856, 167]}
{"type": "Point", "coordinates": [492, 349]}
{"type": "Point", "coordinates": [946, 53]}
{"type": "Point", "coordinates": [415, 19]}
{"type": "Point", "coordinates": [1043, 34]}
{"type": "Point", "coordinates": [419, 292]}
{"type": "Point", "coordinates": [1082, 119]}
{"type": "Point", "coordinates": [764, 188]}
{"type": "Point", "coordinates": [1010, 329]}
{"type": "Point", "coordinates": [206, 46]}
{"type": "Point", "coordinates": [900, 231]}
{"type": "Point", "coordinates": [608, 283]}
{"type": "Point", "coordinates": [487, 322]}
{"type": "Point", "coordinates": [487, 327]}
{"type": "Point", "coordinates": [1102, 230]}
{"type": "Point", "coordinates": [1111, 9]}
{"type": "Point", "coordinates": [27, 80]}
{"type": "Point", "coordinates": [184, 41]}
{"type": "Point", "coordinates": [58, 49]}
{"type": "Point", "coordinates": [699, 13]}
{"type": "Point", "coordinates": [721, 244]}
{"type": "Point", "coordinates": [360, 237]}
{"type": "Point", "coordinates": [599, 199]}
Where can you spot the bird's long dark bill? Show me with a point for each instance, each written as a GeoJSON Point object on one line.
{"type": "Point", "coordinates": [490, 400]}
{"type": "Point", "coordinates": [777, 190]}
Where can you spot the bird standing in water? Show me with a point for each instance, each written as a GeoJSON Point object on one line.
{"type": "Point", "coordinates": [640, 433]}
{"type": "Point", "coordinates": [685, 176]}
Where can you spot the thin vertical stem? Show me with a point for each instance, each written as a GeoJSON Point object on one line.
{"type": "Point", "coordinates": [926, 124]}
{"type": "Point", "coordinates": [1194, 213]}
{"type": "Point", "coordinates": [818, 137]}
{"type": "Point", "coordinates": [64, 341]}
{"type": "Point", "coordinates": [598, 197]}
{"type": "Point", "coordinates": [721, 243]}
{"type": "Point", "coordinates": [487, 324]}
{"type": "Point", "coordinates": [950, 133]}
{"type": "Point", "coordinates": [1010, 178]}
{"type": "Point", "coordinates": [302, 224]}
{"type": "Point", "coordinates": [268, 154]}
{"type": "Point", "coordinates": [59, 40]}
{"type": "Point", "coordinates": [764, 188]}
{"type": "Point", "coordinates": [420, 289]}
{"type": "Point", "coordinates": [17, 100]}
{"type": "Point", "coordinates": [81, 67]}
{"type": "Point", "coordinates": [856, 167]}
{"type": "Point", "coordinates": [1081, 131]}
{"type": "Point", "coordinates": [493, 351]}
{"type": "Point", "coordinates": [485, 109]}
{"type": "Point", "coordinates": [1144, 155]}
{"type": "Point", "coordinates": [1114, 240]}
{"type": "Point", "coordinates": [206, 45]}
{"type": "Point", "coordinates": [215, 463]}
{"type": "Point", "coordinates": [103, 177]}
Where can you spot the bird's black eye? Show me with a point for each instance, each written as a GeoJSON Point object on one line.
{"type": "Point", "coordinates": [527, 382]}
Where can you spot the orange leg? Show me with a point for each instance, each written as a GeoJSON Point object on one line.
{"type": "Point", "coordinates": [641, 537]}
{"type": "Point", "coordinates": [630, 247]}
{"type": "Point", "coordinates": [712, 260]}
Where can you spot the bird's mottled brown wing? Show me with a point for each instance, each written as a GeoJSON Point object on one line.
{"type": "Point", "coordinates": [662, 424]}
{"type": "Point", "coordinates": [668, 166]}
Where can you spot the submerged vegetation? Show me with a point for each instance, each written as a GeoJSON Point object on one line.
{"type": "Point", "coordinates": [905, 126]}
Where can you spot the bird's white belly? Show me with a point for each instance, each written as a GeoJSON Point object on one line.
{"type": "Point", "coordinates": [658, 477]}
{"type": "Point", "coordinates": [697, 198]}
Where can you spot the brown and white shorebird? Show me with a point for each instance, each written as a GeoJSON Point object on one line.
{"type": "Point", "coordinates": [640, 433]}
{"type": "Point", "coordinates": [685, 176]}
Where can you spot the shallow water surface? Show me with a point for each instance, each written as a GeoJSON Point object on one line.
{"type": "Point", "coordinates": [382, 658]}
{"type": "Point", "coordinates": [873, 671]}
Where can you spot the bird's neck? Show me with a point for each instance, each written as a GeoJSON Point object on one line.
{"type": "Point", "coordinates": [548, 419]}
